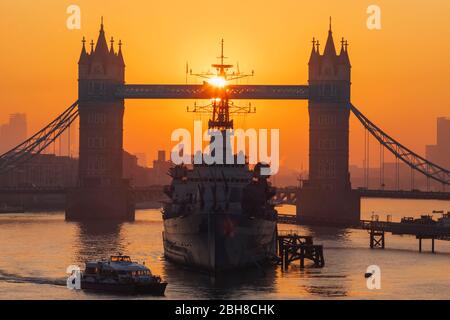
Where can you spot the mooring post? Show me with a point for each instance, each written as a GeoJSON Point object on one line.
{"type": "Point", "coordinates": [302, 257]}
{"type": "Point", "coordinates": [280, 247]}
{"type": "Point", "coordinates": [322, 259]}
{"type": "Point", "coordinates": [286, 258]}
{"type": "Point", "coordinates": [371, 238]}
{"type": "Point", "coordinates": [432, 244]}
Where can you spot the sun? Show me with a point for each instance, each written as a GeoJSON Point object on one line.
{"type": "Point", "coordinates": [219, 82]}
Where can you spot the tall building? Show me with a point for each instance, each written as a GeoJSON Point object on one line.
{"type": "Point", "coordinates": [327, 195]}
{"type": "Point", "coordinates": [440, 152]}
{"type": "Point", "coordinates": [14, 132]}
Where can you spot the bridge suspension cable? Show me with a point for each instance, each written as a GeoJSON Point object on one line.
{"type": "Point", "coordinates": [39, 141]}
{"type": "Point", "coordinates": [382, 184]}
{"type": "Point", "coordinates": [416, 162]}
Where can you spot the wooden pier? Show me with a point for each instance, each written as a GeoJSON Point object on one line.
{"type": "Point", "coordinates": [293, 247]}
{"type": "Point", "coordinates": [377, 230]}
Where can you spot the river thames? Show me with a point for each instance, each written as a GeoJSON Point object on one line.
{"type": "Point", "coordinates": [36, 249]}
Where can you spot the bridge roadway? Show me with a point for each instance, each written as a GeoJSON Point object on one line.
{"type": "Point", "coordinates": [205, 91]}
{"type": "Point", "coordinates": [404, 194]}
{"type": "Point", "coordinates": [288, 195]}
{"type": "Point", "coordinates": [140, 194]}
{"type": "Point", "coordinates": [32, 190]}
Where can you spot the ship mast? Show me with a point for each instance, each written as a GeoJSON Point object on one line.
{"type": "Point", "coordinates": [221, 107]}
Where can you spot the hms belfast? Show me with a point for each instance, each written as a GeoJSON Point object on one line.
{"type": "Point", "coordinates": [219, 216]}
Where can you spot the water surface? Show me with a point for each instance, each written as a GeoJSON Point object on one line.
{"type": "Point", "coordinates": [36, 249]}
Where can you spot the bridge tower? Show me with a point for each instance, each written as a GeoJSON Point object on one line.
{"type": "Point", "coordinates": [327, 195]}
{"type": "Point", "coordinates": [102, 193]}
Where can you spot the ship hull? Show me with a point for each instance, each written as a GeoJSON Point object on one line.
{"type": "Point", "coordinates": [219, 242]}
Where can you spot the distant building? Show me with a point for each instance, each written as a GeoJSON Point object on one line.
{"type": "Point", "coordinates": [144, 176]}
{"type": "Point", "coordinates": [161, 168]}
{"type": "Point", "coordinates": [14, 132]}
{"type": "Point", "coordinates": [138, 175]}
{"type": "Point", "coordinates": [440, 152]}
{"type": "Point", "coordinates": [43, 170]}
{"type": "Point", "coordinates": [407, 178]}
{"type": "Point", "coordinates": [287, 177]}
{"type": "Point", "coordinates": [49, 170]}
{"type": "Point", "coordinates": [142, 159]}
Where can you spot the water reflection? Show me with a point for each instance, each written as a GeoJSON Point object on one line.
{"type": "Point", "coordinates": [227, 285]}
{"type": "Point", "coordinates": [315, 283]}
{"type": "Point", "coordinates": [329, 233]}
{"type": "Point", "coordinates": [98, 240]}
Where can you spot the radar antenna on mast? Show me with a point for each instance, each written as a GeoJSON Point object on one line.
{"type": "Point", "coordinates": [221, 107]}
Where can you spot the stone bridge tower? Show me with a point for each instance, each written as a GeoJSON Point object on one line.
{"type": "Point", "coordinates": [327, 195]}
{"type": "Point", "coordinates": [102, 193]}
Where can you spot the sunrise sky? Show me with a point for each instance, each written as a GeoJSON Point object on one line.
{"type": "Point", "coordinates": [400, 73]}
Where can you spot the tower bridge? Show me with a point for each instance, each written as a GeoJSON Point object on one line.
{"type": "Point", "coordinates": [102, 193]}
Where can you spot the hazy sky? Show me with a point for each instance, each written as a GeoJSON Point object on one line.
{"type": "Point", "coordinates": [400, 73]}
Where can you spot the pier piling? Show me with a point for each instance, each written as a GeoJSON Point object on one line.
{"type": "Point", "coordinates": [377, 239]}
{"type": "Point", "coordinates": [292, 247]}
{"type": "Point", "coordinates": [432, 242]}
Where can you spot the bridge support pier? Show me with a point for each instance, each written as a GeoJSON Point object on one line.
{"type": "Point", "coordinates": [322, 207]}
{"type": "Point", "coordinates": [105, 203]}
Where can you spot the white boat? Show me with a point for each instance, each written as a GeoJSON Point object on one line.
{"type": "Point", "coordinates": [120, 274]}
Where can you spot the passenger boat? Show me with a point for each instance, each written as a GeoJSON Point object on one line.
{"type": "Point", "coordinates": [121, 275]}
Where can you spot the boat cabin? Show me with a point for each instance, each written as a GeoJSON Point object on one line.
{"type": "Point", "coordinates": [117, 266]}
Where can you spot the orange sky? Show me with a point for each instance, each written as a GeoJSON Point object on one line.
{"type": "Point", "coordinates": [399, 73]}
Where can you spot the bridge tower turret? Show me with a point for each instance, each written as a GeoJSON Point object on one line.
{"type": "Point", "coordinates": [327, 195]}
{"type": "Point", "coordinates": [102, 193]}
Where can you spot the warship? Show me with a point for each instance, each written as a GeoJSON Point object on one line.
{"type": "Point", "coordinates": [220, 216]}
